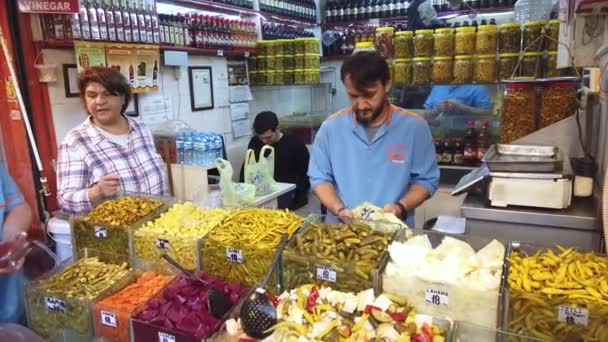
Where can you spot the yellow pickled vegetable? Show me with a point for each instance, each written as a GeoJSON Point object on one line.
{"type": "Point", "coordinates": [176, 232]}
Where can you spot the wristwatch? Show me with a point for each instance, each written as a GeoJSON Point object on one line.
{"type": "Point", "coordinates": [402, 208]}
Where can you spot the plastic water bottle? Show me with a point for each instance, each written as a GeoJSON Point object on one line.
{"type": "Point", "coordinates": [188, 148]}
{"type": "Point", "coordinates": [179, 144]}
{"type": "Point", "coordinates": [196, 149]}
{"type": "Point", "coordinates": [208, 148]}
{"type": "Point", "coordinates": [219, 146]}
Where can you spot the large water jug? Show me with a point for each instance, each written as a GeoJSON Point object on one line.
{"type": "Point", "coordinates": [189, 148]}
{"type": "Point", "coordinates": [532, 10]}
{"type": "Point", "coordinates": [179, 144]}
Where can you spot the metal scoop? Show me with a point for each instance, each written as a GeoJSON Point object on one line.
{"type": "Point", "coordinates": [217, 302]}
{"type": "Point", "coordinates": [258, 313]}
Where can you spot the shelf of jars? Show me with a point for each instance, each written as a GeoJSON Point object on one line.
{"type": "Point", "coordinates": [213, 6]}
{"type": "Point", "coordinates": [220, 52]}
{"type": "Point", "coordinates": [290, 11]}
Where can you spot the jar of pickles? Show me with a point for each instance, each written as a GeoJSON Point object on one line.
{"type": "Point", "coordinates": [289, 76]}
{"type": "Point", "coordinates": [289, 62]}
{"type": "Point", "coordinates": [254, 78]}
{"type": "Point", "coordinates": [311, 45]}
{"type": "Point", "coordinates": [403, 71]}
{"type": "Point", "coordinates": [530, 64]}
{"type": "Point", "coordinates": [312, 76]}
{"type": "Point", "coordinates": [444, 42]}
{"type": "Point", "coordinates": [463, 69]}
{"type": "Point", "coordinates": [299, 61]}
{"type": "Point", "coordinates": [262, 48]}
{"type": "Point", "coordinates": [485, 69]}
{"type": "Point", "coordinates": [509, 38]}
{"type": "Point", "coordinates": [486, 39]}
{"type": "Point", "coordinates": [443, 68]}
{"type": "Point", "coordinates": [263, 77]}
{"type": "Point", "coordinates": [552, 35]}
{"type": "Point", "coordinates": [404, 44]}
{"type": "Point", "coordinates": [551, 69]}
{"type": "Point", "coordinates": [423, 43]}
{"type": "Point", "coordinates": [271, 77]}
{"type": "Point", "coordinates": [558, 101]}
{"type": "Point", "coordinates": [422, 70]}
{"type": "Point", "coordinates": [508, 66]}
{"type": "Point", "coordinates": [278, 46]}
{"type": "Point", "coordinates": [272, 48]}
{"type": "Point", "coordinates": [261, 62]}
{"type": "Point", "coordinates": [311, 61]}
{"type": "Point", "coordinates": [279, 77]}
{"type": "Point", "coordinates": [533, 36]}
{"type": "Point", "coordinates": [253, 63]}
{"type": "Point", "coordinates": [299, 45]}
{"type": "Point", "coordinates": [271, 62]}
{"type": "Point", "coordinates": [279, 60]}
{"type": "Point", "coordinates": [299, 76]}
{"type": "Point", "coordinates": [289, 47]}
{"type": "Point", "coordinates": [519, 112]}
{"type": "Point", "coordinates": [465, 41]}
{"type": "Point", "coordinates": [384, 41]}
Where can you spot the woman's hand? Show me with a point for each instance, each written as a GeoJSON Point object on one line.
{"type": "Point", "coordinates": [107, 186]}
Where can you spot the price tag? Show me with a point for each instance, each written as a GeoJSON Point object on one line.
{"type": "Point", "coordinates": [162, 244]}
{"type": "Point", "coordinates": [164, 337]}
{"type": "Point", "coordinates": [54, 304]}
{"type": "Point", "coordinates": [573, 316]}
{"type": "Point", "coordinates": [220, 53]}
{"type": "Point", "coordinates": [108, 318]}
{"type": "Point", "coordinates": [234, 255]}
{"type": "Point", "coordinates": [326, 273]}
{"type": "Point", "coordinates": [246, 54]}
{"type": "Point", "coordinates": [101, 232]}
{"type": "Point", "coordinates": [436, 297]}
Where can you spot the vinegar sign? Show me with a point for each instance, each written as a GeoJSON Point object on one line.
{"type": "Point", "coordinates": [48, 6]}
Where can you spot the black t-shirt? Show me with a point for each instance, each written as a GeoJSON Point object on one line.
{"type": "Point", "coordinates": [290, 166]}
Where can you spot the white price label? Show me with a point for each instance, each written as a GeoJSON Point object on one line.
{"type": "Point", "coordinates": [108, 318]}
{"type": "Point", "coordinates": [164, 337]}
{"type": "Point", "coordinates": [437, 297]}
{"type": "Point", "coordinates": [220, 53]}
{"type": "Point", "coordinates": [246, 54]}
{"type": "Point", "coordinates": [101, 232]}
{"type": "Point", "coordinates": [163, 244]}
{"type": "Point", "coordinates": [573, 316]}
{"type": "Point", "coordinates": [234, 255]}
{"type": "Point", "coordinates": [326, 273]}
{"type": "Point", "coordinates": [54, 304]}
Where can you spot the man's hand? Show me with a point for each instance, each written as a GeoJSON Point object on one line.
{"type": "Point", "coordinates": [450, 106]}
{"type": "Point", "coordinates": [393, 209]}
{"type": "Point", "coordinates": [345, 215]}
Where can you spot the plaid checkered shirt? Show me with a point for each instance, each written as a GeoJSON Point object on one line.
{"type": "Point", "coordinates": [85, 155]}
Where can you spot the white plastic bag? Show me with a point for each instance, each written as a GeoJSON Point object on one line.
{"type": "Point", "coordinates": [260, 172]}
{"type": "Point", "coordinates": [233, 194]}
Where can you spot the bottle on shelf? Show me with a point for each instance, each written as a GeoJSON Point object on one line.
{"type": "Point", "coordinates": [470, 145]}
{"type": "Point", "coordinates": [92, 10]}
{"type": "Point", "coordinates": [141, 21]}
{"type": "Point", "coordinates": [154, 20]}
{"type": "Point", "coordinates": [482, 140]}
{"type": "Point", "coordinates": [187, 30]}
{"type": "Point", "coordinates": [101, 20]}
{"type": "Point", "coordinates": [458, 152]}
{"type": "Point", "coordinates": [135, 29]}
{"type": "Point", "coordinates": [448, 152]}
{"type": "Point", "coordinates": [85, 28]}
{"type": "Point", "coordinates": [118, 21]}
{"type": "Point", "coordinates": [147, 21]}
{"type": "Point", "coordinates": [75, 25]}
{"type": "Point", "coordinates": [126, 21]}
{"type": "Point", "coordinates": [439, 151]}
{"type": "Point", "coordinates": [109, 13]}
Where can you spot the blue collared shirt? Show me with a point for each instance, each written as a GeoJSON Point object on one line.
{"type": "Point", "coordinates": [11, 285]}
{"type": "Point", "coordinates": [401, 154]}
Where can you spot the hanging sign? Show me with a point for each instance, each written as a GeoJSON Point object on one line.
{"type": "Point", "coordinates": [48, 6]}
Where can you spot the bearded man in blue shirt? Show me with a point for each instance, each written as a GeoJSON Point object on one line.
{"type": "Point", "coordinates": [372, 151]}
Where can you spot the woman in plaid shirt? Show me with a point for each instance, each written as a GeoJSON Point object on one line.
{"type": "Point", "coordinates": [108, 152]}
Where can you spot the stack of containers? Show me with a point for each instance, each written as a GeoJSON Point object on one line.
{"type": "Point", "coordinates": [464, 48]}
{"type": "Point", "coordinates": [443, 64]}
{"type": "Point", "coordinates": [286, 62]}
{"type": "Point", "coordinates": [486, 44]}
{"type": "Point", "coordinates": [509, 47]}
{"type": "Point", "coordinates": [423, 51]}
{"type": "Point", "coordinates": [64, 299]}
{"type": "Point", "coordinates": [404, 52]}
{"type": "Point", "coordinates": [109, 225]}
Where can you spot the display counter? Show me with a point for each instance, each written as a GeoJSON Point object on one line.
{"type": "Point", "coordinates": [577, 226]}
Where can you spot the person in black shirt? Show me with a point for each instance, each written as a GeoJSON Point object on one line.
{"type": "Point", "coordinates": [291, 159]}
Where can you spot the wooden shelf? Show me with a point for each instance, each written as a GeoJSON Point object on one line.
{"type": "Point", "coordinates": [57, 44]}
{"type": "Point", "coordinates": [212, 6]}
{"type": "Point", "coordinates": [230, 52]}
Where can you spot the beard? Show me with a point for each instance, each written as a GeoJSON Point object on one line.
{"type": "Point", "coordinates": [366, 120]}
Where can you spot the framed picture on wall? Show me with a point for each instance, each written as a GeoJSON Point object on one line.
{"type": "Point", "coordinates": [70, 80]}
{"type": "Point", "coordinates": [133, 108]}
{"type": "Point", "coordinates": [201, 87]}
